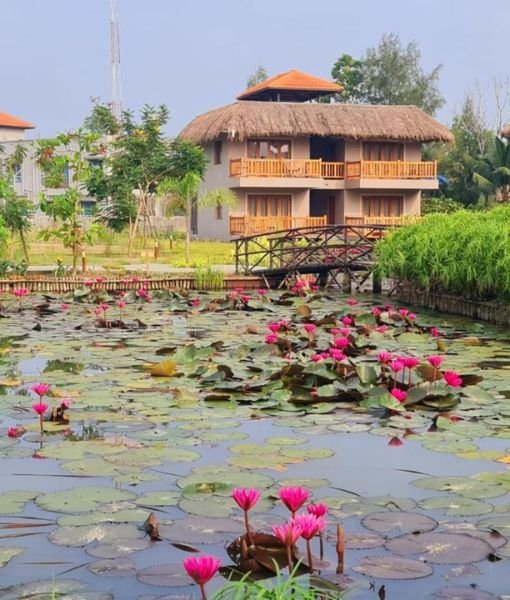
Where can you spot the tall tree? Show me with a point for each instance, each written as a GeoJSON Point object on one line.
{"type": "Point", "coordinates": [389, 74]}
{"type": "Point", "coordinates": [493, 172]}
{"type": "Point", "coordinates": [258, 76]}
{"type": "Point", "coordinates": [15, 210]}
{"type": "Point", "coordinates": [101, 119]}
{"type": "Point", "coordinates": [67, 157]}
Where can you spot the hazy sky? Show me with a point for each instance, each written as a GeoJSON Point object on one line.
{"type": "Point", "coordinates": [194, 55]}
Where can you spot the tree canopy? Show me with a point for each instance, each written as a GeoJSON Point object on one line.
{"type": "Point", "coordinates": [258, 76]}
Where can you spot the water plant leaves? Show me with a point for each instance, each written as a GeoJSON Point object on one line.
{"type": "Point", "coordinates": [7, 553]}
{"type": "Point", "coordinates": [457, 506]}
{"type": "Point", "coordinates": [386, 522]}
{"type": "Point", "coordinates": [113, 567]}
{"type": "Point", "coordinates": [169, 575]}
{"type": "Point", "coordinates": [81, 499]}
{"type": "Point", "coordinates": [393, 567]}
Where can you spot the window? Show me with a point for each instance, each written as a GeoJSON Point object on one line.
{"type": "Point", "coordinates": [269, 206]}
{"type": "Point", "coordinates": [219, 212]}
{"type": "Point", "coordinates": [383, 206]}
{"type": "Point", "coordinates": [87, 207]}
{"type": "Point", "coordinates": [275, 149]}
{"type": "Point", "coordinates": [54, 182]}
{"type": "Point", "coordinates": [96, 162]}
{"type": "Point", "coordinates": [18, 174]}
{"type": "Point", "coordinates": [383, 151]}
{"type": "Point", "coordinates": [218, 147]}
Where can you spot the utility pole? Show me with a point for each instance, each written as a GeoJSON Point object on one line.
{"type": "Point", "coordinates": [115, 59]}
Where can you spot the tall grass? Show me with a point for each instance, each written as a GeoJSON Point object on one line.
{"type": "Point", "coordinates": [208, 279]}
{"type": "Point", "coordinates": [464, 253]}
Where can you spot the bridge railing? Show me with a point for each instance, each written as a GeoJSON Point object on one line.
{"type": "Point", "coordinates": [342, 247]}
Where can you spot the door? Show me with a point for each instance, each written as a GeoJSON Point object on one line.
{"type": "Point", "coordinates": [331, 210]}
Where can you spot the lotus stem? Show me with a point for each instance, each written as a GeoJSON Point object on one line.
{"type": "Point", "coordinates": [41, 422]}
{"type": "Point", "coordinates": [310, 556]}
{"type": "Point", "coordinates": [289, 558]}
{"type": "Point", "coordinates": [321, 546]}
{"type": "Point", "coordinates": [202, 590]}
{"type": "Point", "coordinates": [247, 527]}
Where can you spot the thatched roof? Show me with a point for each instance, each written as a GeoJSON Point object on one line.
{"type": "Point", "coordinates": [247, 119]}
{"type": "Point", "coordinates": [505, 132]}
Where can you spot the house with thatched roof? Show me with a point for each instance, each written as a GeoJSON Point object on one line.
{"type": "Point", "coordinates": [294, 161]}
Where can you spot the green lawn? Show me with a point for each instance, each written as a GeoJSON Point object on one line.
{"type": "Point", "coordinates": [113, 253]}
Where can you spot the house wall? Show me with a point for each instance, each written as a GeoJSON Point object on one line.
{"type": "Point", "coordinates": [10, 134]}
{"type": "Point", "coordinates": [351, 204]}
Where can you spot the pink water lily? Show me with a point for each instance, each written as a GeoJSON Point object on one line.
{"type": "Point", "coordinates": [271, 338]}
{"type": "Point", "coordinates": [396, 365]}
{"type": "Point", "coordinates": [435, 360]}
{"type": "Point", "coordinates": [65, 306]}
{"type": "Point", "coordinates": [246, 499]}
{"type": "Point", "coordinates": [40, 408]}
{"type": "Point", "coordinates": [318, 509]}
{"type": "Point", "coordinates": [274, 327]}
{"type": "Point", "coordinates": [347, 320]}
{"type": "Point", "coordinates": [384, 357]}
{"type": "Point", "coordinates": [195, 301]}
{"type": "Point", "coordinates": [288, 534]}
{"type": "Point", "coordinates": [376, 311]}
{"type": "Point", "coordinates": [337, 355]}
{"type": "Point", "coordinates": [41, 389]}
{"type": "Point", "coordinates": [399, 395]}
{"type": "Point", "coordinates": [309, 524]}
{"type": "Point", "coordinates": [261, 291]}
{"type": "Point", "coordinates": [202, 569]}
{"type": "Point", "coordinates": [352, 302]}
{"type": "Point", "coordinates": [403, 312]}
{"type": "Point", "coordinates": [12, 432]}
{"type": "Point", "coordinates": [293, 497]}
{"type": "Point", "coordinates": [410, 362]}
{"type": "Point", "coordinates": [434, 332]}
{"type": "Point", "coordinates": [310, 328]}
{"type": "Point", "coordinates": [341, 342]}
{"type": "Point", "coordinates": [452, 378]}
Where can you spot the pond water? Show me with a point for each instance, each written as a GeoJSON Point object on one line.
{"type": "Point", "coordinates": [425, 480]}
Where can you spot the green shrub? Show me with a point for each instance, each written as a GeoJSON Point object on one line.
{"type": "Point", "coordinates": [440, 205]}
{"type": "Point", "coordinates": [465, 253]}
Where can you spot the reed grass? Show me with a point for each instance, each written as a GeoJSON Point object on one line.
{"type": "Point", "coordinates": [464, 253]}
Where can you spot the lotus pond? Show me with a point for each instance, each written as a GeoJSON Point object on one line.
{"type": "Point", "coordinates": [159, 407]}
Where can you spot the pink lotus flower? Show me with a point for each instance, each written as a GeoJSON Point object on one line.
{"type": "Point", "coordinates": [293, 497]}
{"type": "Point", "coordinates": [41, 389]}
{"type": "Point", "coordinates": [352, 302]}
{"type": "Point", "coordinates": [20, 292]}
{"type": "Point", "coordinates": [399, 395]}
{"type": "Point", "coordinates": [319, 509]}
{"type": "Point", "coordinates": [434, 332]}
{"type": "Point", "coordinates": [142, 293]}
{"type": "Point", "coordinates": [65, 306]}
{"type": "Point", "coordinates": [314, 287]}
{"type": "Point", "coordinates": [337, 354]}
{"type": "Point", "coordinates": [395, 441]}
{"type": "Point", "coordinates": [345, 331]}
{"type": "Point", "coordinates": [376, 311]}
{"type": "Point", "coordinates": [65, 403]}
{"type": "Point", "coordinates": [246, 498]}
{"type": "Point", "coordinates": [388, 306]}
{"type": "Point", "coordinates": [97, 311]}
{"type": "Point", "coordinates": [271, 338]}
{"type": "Point", "coordinates": [40, 408]}
{"type": "Point", "coordinates": [12, 432]}
{"type": "Point", "coordinates": [262, 292]}
{"type": "Point", "coordinates": [396, 365]}
{"type": "Point", "coordinates": [410, 361]}
{"type": "Point", "coordinates": [104, 307]}
{"type": "Point", "coordinates": [201, 569]}
{"type": "Point", "coordinates": [99, 279]}
{"type": "Point", "coordinates": [316, 357]}
{"type": "Point", "coordinates": [244, 298]}
{"type": "Point", "coordinates": [384, 357]}
{"type": "Point", "coordinates": [309, 524]}
{"type": "Point", "coordinates": [403, 312]}
{"type": "Point", "coordinates": [195, 302]}
{"type": "Point", "coordinates": [347, 320]}
{"type": "Point", "coordinates": [411, 317]}
{"type": "Point", "coordinates": [382, 328]}
{"type": "Point", "coordinates": [284, 323]}
{"type": "Point", "coordinates": [341, 342]}
{"type": "Point", "coordinates": [120, 304]}
{"type": "Point", "coordinates": [309, 328]}
{"type": "Point", "coordinates": [335, 331]}
{"type": "Point", "coordinates": [452, 378]}
{"type": "Point", "coordinates": [239, 290]}
{"type": "Point", "coordinates": [435, 360]}
{"type": "Point", "coordinates": [274, 327]}
{"type": "Point", "coordinates": [121, 294]}
{"type": "Point", "coordinates": [288, 534]}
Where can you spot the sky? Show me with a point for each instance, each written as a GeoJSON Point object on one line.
{"type": "Point", "coordinates": [195, 55]}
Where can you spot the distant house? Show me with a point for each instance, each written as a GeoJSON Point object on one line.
{"type": "Point", "coordinates": [293, 161]}
{"type": "Point", "coordinates": [29, 180]}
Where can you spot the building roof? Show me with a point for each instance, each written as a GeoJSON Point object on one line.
{"type": "Point", "coordinates": [289, 86]}
{"type": "Point", "coordinates": [505, 132]}
{"type": "Point", "coordinates": [248, 119]}
{"type": "Point", "coordinates": [7, 120]}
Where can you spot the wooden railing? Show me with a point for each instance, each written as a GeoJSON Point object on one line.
{"type": "Point", "coordinates": [254, 225]}
{"type": "Point", "coordinates": [387, 221]}
{"type": "Point", "coordinates": [291, 167]}
{"type": "Point", "coordinates": [391, 169]}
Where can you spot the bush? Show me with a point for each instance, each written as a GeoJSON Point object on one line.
{"type": "Point", "coordinates": [465, 253]}
{"type": "Point", "coordinates": [440, 205]}
{"type": "Point", "coordinates": [4, 236]}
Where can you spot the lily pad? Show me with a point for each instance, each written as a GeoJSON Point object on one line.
{"type": "Point", "coordinates": [118, 548]}
{"type": "Point", "coordinates": [402, 522]}
{"type": "Point", "coordinates": [468, 487]}
{"type": "Point", "coordinates": [393, 567]}
{"type": "Point", "coordinates": [7, 553]}
{"type": "Point", "coordinates": [462, 593]}
{"type": "Point", "coordinates": [113, 567]}
{"type": "Point", "coordinates": [171, 575]}
{"type": "Point", "coordinates": [457, 506]}
{"type": "Point", "coordinates": [81, 499]}
{"type": "Point", "coordinates": [200, 530]}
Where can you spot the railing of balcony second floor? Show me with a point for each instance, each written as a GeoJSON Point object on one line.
{"type": "Point", "coordinates": [286, 167]}
{"type": "Point", "coordinates": [248, 225]}
{"type": "Point", "coordinates": [391, 169]}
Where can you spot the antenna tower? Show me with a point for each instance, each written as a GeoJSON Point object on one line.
{"type": "Point", "coordinates": [115, 59]}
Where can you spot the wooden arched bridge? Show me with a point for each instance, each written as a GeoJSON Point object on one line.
{"type": "Point", "coordinates": [334, 254]}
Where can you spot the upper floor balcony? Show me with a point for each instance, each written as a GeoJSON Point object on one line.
{"type": "Point", "coordinates": [318, 169]}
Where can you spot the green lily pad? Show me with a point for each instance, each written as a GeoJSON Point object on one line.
{"type": "Point", "coordinates": [7, 553]}
{"type": "Point", "coordinates": [393, 567]}
{"type": "Point", "coordinates": [118, 548]}
{"type": "Point", "coordinates": [402, 522]}
{"type": "Point", "coordinates": [12, 502]}
{"type": "Point", "coordinates": [462, 486]}
{"type": "Point", "coordinates": [456, 506]}
{"type": "Point", "coordinates": [159, 498]}
{"type": "Point", "coordinates": [113, 567]}
{"type": "Point", "coordinates": [86, 534]}
{"type": "Point", "coordinates": [81, 499]}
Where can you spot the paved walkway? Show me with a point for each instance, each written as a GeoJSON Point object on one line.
{"type": "Point", "coordinates": [153, 268]}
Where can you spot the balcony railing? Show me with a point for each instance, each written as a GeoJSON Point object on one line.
{"type": "Point", "coordinates": [391, 221]}
{"type": "Point", "coordinates": [251, 225]}
{"type": "Point", "coordinates": [286, 167]}
{"type": "Point", "coordinates": [391, 169]}
{"type": "Point", "coordinates": [319, 169]}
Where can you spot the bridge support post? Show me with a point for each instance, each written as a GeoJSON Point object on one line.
{"type": "Point", "coordinates": [346, 282]}
{"type": "Point", "coordinates": [376, 283]}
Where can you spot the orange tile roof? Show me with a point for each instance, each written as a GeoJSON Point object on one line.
{"type": "Point", "coordinates": [293, 80]}
{"type": "Point", "coordinates": [7, 120]}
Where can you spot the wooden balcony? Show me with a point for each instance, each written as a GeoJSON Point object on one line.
{"type": "Point", "coordinates": [253, 225]}
{"type": "Point", "coordinates": [291, 167]}
{"type": "Point", "coordinates": [388, 221]}
{"type": "Point", "coordinates": [391, 169]}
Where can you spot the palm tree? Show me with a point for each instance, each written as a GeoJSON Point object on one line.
{"type": "Point", "coordinates": [184, 194]}
{"type": "Point", "coordinates": [493, 174]}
